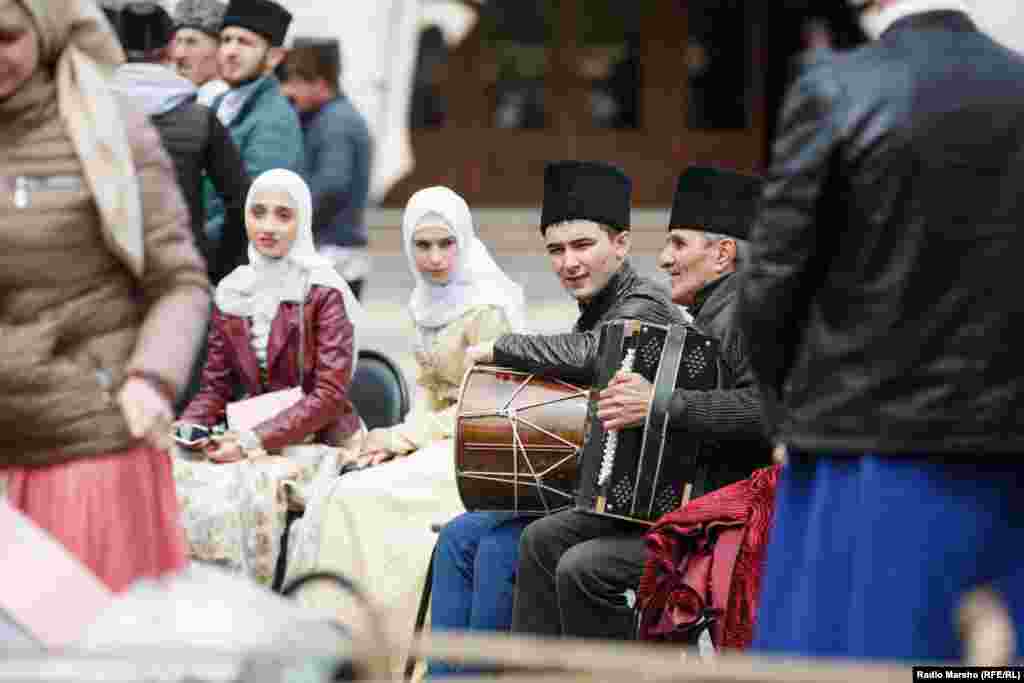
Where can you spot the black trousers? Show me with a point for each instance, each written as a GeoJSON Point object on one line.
{"type": "Point", "coordinates": [578, 575]}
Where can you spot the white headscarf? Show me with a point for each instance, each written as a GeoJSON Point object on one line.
{"type": "Point", "coordinates": [876, 21]}
{"type": "Point", "coordinates": [256, 290]}
{"type": "Point", "coordinates": [475, 279]}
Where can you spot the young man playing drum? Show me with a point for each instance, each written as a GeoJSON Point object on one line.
{"type": "Point", "coordinates": [578, 572]}
{"type": "Point", "coordinates": [585, 226]}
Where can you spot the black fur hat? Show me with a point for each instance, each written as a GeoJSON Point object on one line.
{"type": "Point", "coordinates": [143, 27]}
{"type": "Point", "coordinates": [585, 190]}
{"type": "Point", "coordinates": [714, 200]}
{"type": "Point", "coordinates": [264, 17]}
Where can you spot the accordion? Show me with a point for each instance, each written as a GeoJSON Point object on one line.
{"type": "Point", "coordinates": [641, 473]}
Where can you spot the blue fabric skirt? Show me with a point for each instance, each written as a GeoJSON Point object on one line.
{"type": "Point", "coordinates": [870, 555]}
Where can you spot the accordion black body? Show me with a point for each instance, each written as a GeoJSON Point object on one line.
{"type": "Point", "coordinates": [641, 473]}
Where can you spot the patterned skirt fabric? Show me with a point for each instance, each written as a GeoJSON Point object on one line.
{"type": "Point", "coordinates": [235, 514]}
{"type": "Point", "coordinates": [117, 512]}
{"type": "Point", "coordinates": [376, 531]}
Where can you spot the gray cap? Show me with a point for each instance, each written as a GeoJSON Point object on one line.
{"type": "Point", "coordinates": [205, 15]}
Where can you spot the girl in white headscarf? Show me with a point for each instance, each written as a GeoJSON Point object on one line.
{"type": "Point", "coordinates": [379, 518]}
{"type": "Point", "coordinates": [234, 508]}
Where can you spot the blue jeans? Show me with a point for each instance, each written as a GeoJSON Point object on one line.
{"type": "Point", "coordinates": [474, 573]}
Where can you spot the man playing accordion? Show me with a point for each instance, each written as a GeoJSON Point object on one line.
{"type": "Point", "coordinates": [578, 572]}
{"type": "Point", "coordinates": [585, 227]}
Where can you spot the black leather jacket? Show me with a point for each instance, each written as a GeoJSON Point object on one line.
{"type": "Point", "coordinates": [880, 301]}
{"type": "Point", "coordinates": [731, 414]}
{"type": "Point", "coordinates": [570, 357]}
{"type": "Point", "coordinates": [733, 410]}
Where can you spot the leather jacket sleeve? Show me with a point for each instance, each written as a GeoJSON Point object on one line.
{"type": "Point", "coordinates": [327, 399]}
{"type": "Point", "coordinates": [723, 414]}
{"type": "Point", "coordinates": [217, 379]}
{"type": "Point", "coordinates": [789, 250]}
{"type": "Point", "coordinates": [570, 357]}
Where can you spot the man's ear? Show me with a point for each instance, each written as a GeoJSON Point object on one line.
{"type": "Point", "coordinates": [275, 56]}
{"type": "Point", "coordinates": [622, 242]}
{"type": "Point", "coordinates": [725, 259]}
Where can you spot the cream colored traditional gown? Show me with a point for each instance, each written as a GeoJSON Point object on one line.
{"type": "Point", "coordinates": [376, 522]}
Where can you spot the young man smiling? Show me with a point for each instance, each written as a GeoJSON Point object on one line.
{"type": "Point", "coordinates": [261, 121]}
{"type": "Point", "coordinates": [585, 225]}
{"type": "Point", "coordinates": [577, 571]}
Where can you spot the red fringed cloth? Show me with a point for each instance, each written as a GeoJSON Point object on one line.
{"type": "Point", "coordinates": [705, 561]}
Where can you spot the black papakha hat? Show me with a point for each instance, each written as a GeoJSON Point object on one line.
{"type": "Point", "coordinates": [264, 17]}
{"type": "Point", "coordinates": [587, 191]}
{"type": "Point", "coordinates": [714, 200]}
{"type": "Point", "coordinates": [142, 27]}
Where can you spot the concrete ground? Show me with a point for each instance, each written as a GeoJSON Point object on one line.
{"type": "Point", "coordinates": [515, 243]}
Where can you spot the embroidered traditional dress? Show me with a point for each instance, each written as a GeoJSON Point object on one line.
{"type": "Point", "coordinates": [378, 520]}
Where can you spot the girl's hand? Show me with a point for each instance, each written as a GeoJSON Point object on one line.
{"type": "Point", "coordinates": [225, 451]}
{"type": "Point", "coordinates": [375, 458]}
{"type": "Point", "coordinates": [480, 353]}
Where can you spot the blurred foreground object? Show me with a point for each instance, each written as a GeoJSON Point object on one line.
{"type": "Point", "coordinates": [986, 629]}
{"type": "Point", "coordinates": [58, 622]}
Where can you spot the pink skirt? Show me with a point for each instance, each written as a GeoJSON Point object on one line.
{"type": "Point", "coordinates": [118, 513]}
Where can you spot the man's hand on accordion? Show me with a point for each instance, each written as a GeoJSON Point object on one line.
{"type": "Point", "coordinates": [626, 401]}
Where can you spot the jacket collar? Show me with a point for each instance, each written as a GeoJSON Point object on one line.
{"type": "Point", "coordinates": [592, 311]}
{"type": "Point", "coordinates": [950, 16]}
{"type": "Point", "coordinates": [233, 105]}
{"type": "Point", "coordinates": [309, 117]}
{"type": "Point", "coordinates": [711, 295]}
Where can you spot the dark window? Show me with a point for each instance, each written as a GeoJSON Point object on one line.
{"type": "Point", "coordinates": [716, 58]}
{"type": "Point", "coordinates": [608, 36]}
{"type": "Point", "coordinates": [427, 109]}
{"type": "Point", "coordinates": [518, 32]}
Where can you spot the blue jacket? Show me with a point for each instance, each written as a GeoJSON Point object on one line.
{"type": "Point", "coordinates": [338, 157]}
{"type": "Point", "coordinates": [268, 135]}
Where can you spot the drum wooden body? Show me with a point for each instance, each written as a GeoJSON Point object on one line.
{"type": "Point", "coordinates": [517, 440]}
